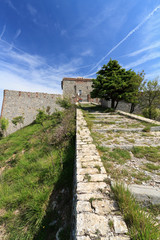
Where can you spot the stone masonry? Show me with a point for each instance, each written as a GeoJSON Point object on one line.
{"type": "Point", "coordinates": [25, 104]}
{"type": "Point", "coordinates": [77, 88]}
{"type": "Point", "coordinates": [96, 215]}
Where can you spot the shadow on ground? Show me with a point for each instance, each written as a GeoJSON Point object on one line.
{"type": "Point", "coordinates": [57, 220]}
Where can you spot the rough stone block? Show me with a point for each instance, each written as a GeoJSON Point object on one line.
{"type": "Point", "coordinates": [119, 225]}
{"type": "Point", "coordinates": [84, 206]}
{"type": "Point", "coordinates": [91, 223]}
{"type": "Point", "coordinates": [101, 207]}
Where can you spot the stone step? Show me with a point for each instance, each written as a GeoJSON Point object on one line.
{"type": "Point", "coordinates": [118, 130]}
{"type": "Point", "coordinates": [128, 146]}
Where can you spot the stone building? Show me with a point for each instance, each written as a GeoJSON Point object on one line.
{"type": "Point", "coordinates": [78, 89]}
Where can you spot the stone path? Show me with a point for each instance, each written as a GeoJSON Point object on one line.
{"type": "Point", "coordinates": [96, 214]}
{"type": "Point", "coordinates": [112, 132]}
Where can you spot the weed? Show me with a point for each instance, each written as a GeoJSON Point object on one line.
{"type": "Point", "coordinates": [131, 140]}
{"type": "Point", "coordinates": [111, 224]}
{"type": "Point", "coordinates": [151, 167]}
{"type": "Point", "coordinates": [154, 209]}
{"type": "Point", "coordinates": [141, 226]}
{"type": "Point", "coordinates": [98, 167]}
{"type": "Point", "coordinates": [140, 176]}
{"type": "Point", "coordinates": [119, 155]}
{"type": "Point", "coordinates": [147, 129]}
{"type": "Point", "coordinates": [151, 153]}
{"type": "Point", "coordinates": [91, 200]}
{"type": "Point", "coordinates": [87, 177]}
{"type": "Point", "coordinates": [102, 148]}
{"type": "Point", "coordinates": [98, 233]}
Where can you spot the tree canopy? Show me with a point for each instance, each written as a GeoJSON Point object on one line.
{"type": "Point", "coordinates": [116, 84]}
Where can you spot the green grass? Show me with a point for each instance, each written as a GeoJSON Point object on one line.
{"type": "Point", "coordinates": [140, 176]}
{"type": "Point", "coordinates": [141, 226]}
{"type": "Point", "coordinates": [33, 170]}
{"type": "Point", "coordinates": [151, 167]}
{"type": "Point", "coordinates": [150, 153]}
{"type": "Point", "coordinates": [117, 155]}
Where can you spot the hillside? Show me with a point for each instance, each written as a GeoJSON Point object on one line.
{"type": "Point", "coordinates": [36, 169]}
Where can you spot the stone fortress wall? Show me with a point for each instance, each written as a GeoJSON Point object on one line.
{"type": "Point", "coordinates": [26, 104]}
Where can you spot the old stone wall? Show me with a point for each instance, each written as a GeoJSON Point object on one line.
{"type": "Point", "coordinates": [123, 106]}
{"type": "Point", "coordinates": [26, 104]}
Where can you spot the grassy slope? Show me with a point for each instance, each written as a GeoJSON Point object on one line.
{"type": "Point", "coordinates": [31, 171]}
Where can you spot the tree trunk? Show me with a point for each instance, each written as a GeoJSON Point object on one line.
{"type": "Point", "coordinates": [116, 104]}
{"type": "Point", "coordinates": [150, 113]}
{"type": "Point", "coordinates": [132, 107]}
{"type": "Point", "coordinates": [112, 103]}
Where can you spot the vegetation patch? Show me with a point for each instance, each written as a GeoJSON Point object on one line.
{"type": "Point", "coordinates": [141, 226]}
{"type": "Point", "coordinates": [140, 176]}
{"type": "Point", "coordinates": [151, 167]}
{"type": "Point", "coordinates": [117, 155]}
{"type": "Point", "coordinates": [150, 153]}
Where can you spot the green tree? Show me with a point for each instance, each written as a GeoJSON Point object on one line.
{"type": "Point", "coordinates": [135, 83]}
{"type": "Point", "coordinates": [4, 125]}
{"type": "Point", "coordinates": [150, 99]}
{"type": "Point", "coordinates": [115, 83]}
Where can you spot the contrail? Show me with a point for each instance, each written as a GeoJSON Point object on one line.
{"type": "Point", "coordinates": [125, 38]}
{"type": "Point", "coordinates": [3, 31]}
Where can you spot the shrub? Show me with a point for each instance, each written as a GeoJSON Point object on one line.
{"type": "Point", "coordinates": [64, 102]}
{"type": "Point", "coordinates": [57, 117]}
{"type": "Point", "coordinates": [153, 112]}
{"type": "Point", "coordinates": [18, 119]}
{"type": "Point", "coordinates": [3, 125]}
{"type": "Point", "coordinates": [41, 117]}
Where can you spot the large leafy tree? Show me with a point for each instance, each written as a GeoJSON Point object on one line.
{"type": "Point", "coordinates": [116, 84]}
{"type": "Point", "coordinates": [135, 83]}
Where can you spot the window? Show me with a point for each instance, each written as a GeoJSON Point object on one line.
{"type": "Point", "coordinates": [75, 89]}
{"type": "Point", "coordinates": [79, 92]}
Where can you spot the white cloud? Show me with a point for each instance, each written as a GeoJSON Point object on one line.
{"type": "Point", "coordinates": [63, 32]}
{"type": "Point", "coordinates": [17, 34]}
{"type": "Point", "coordinates": [125, 38]}
{"type": "Point", "coordinates": [87, 52]}
{"type": "Point", "coordinates": [10, 4]}
{"type": "Point", "coordinates": [3, 31]}
{"type": "Point", "coordinates": [31, 9]}
{"type": "Point", "coordinates": [143, 59]}
{"type": "Point", "coordinates": [22, 71]}
{"type": "Point", "coordinates": [150, 47]}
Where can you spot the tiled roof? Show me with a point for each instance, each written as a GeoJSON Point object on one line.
{"type": "Point", "coordinates": [76, 79]}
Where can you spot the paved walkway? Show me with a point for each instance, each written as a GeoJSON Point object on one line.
{"type": "Point", "coordinates": [97, 215]}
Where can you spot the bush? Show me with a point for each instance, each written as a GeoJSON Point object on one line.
{"type": "Point", "coordinates": [3, 125]}
{"type": "Point", "coordinates": [41, 117]}
{"type": "Point", "coordinates": [57, 117]}
{"type": "Point", "coordinates": [64, 102]}
{"type": "Point", "coordinates": [17, 120]}
{"type": "Point", "coordinates": [152, 113]}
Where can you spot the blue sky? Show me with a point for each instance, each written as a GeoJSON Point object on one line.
{"type": "Point", "coordinates": [43, 41]}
